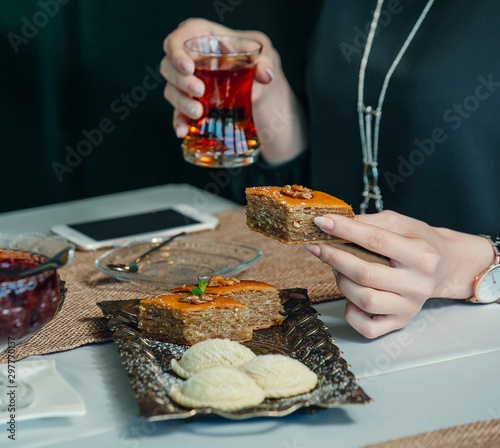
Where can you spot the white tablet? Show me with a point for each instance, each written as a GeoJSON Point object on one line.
{"type": "Point", "coordinates": [159, 223]}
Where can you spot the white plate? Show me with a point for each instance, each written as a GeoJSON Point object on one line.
{"type": "Point", "coordinates": [53, 396]}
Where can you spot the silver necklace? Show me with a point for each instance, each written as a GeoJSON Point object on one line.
{"type": "Point", "coordinates": [369, 141]}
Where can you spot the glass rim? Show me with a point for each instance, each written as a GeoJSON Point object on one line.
{"type": "Point", "coordinates": [224, 37]}
{"type": "Point", "coordinates": [32, 254]}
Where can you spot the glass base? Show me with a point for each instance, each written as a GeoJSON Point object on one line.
{"type": "Point", "coordinates": [14, 396]}
{"type": "Point", "coordinates": [221, 161]}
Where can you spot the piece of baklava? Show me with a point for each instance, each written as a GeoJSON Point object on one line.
{"type": "Point", "coordinates": [287, 214]}
{"type": "Point", "coordinates": [262, 300]}
{"type": "Point", "coordinates": [190, 318]}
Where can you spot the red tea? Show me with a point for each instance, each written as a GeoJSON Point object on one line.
{"type": "Point", "coordinates": [226, 132]}
{"type": "Point", "coordinates": [26, 303]}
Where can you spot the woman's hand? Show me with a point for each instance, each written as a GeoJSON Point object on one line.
{"type": "Point", "coordinates": [271, 93]}
{"type": "Point", "coordinates": [425, 262]}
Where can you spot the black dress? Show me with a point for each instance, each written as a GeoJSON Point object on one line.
{"type": "Point", "coordinates": [439, 145]}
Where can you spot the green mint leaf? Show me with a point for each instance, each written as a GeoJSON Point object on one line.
{"type": "Point", "coordinates": [202, 285]}
{"type": "Point", "coordinates": [201, 288]}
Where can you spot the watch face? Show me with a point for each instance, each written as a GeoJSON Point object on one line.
{"type": "Point", "coordinates": [488, 288]}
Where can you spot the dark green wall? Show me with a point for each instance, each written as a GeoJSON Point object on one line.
{"type": "Point", "coordinates": [65, 74]}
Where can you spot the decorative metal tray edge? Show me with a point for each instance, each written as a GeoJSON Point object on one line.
{"type": "Point", "coordinates": [302, 335]}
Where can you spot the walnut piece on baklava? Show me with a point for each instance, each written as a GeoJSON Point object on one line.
{"type": "Point", "coordinates": [191, 318]}
{"type": "Point", "coordinates": [262, 300]}
{"type": "Point", "coordinates": [287, 214]}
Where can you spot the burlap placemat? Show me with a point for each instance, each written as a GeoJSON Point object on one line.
{"type": "Point", "coordinates": [80, 320]}
{"type": "Point", "coordinates": [475, 435]}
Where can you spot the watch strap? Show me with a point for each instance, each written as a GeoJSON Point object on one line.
{"type": "Point", "coordinates": [495, 243]}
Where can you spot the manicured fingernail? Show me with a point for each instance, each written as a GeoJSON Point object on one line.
{"type": "Point", "coordinates": [196, 90]}
{"type": "Point", "coordinates": [178, 131]}
{"type": "Point", "coordinates": [187, 67]}
{"type": "Point", "coordinates": [191, 110]}
{"type": "Point", "coordinates": [315, 250]}
{"type": "Point", "coordinates": [324, 223]}
{"type": "Point", "coordinates": [270, 74]}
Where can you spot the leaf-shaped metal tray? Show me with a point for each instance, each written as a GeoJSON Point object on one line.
{"type": "Point", "coordinates": [302, 335]}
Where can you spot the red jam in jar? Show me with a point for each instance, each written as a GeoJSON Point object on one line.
{"type": "Point", "coordinates": [26, 303]}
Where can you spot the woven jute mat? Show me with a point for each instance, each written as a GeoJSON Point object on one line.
{"type": "Point", "coordinates": [81, 322]}
{"type": "Point", "coordinates": [475, 435]}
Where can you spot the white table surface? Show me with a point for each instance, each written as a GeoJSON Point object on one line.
{"type": "Point", "coordinates": [440, 371]}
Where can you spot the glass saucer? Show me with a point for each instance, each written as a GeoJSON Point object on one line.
{"type": "Point", "coordinates": [180, 262]}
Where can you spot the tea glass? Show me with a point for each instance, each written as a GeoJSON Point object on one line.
{"type": "Point", "coordinates": [225, 135]}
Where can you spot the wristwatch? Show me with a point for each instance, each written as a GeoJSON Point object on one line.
{"type": "Point", "coordinates": [487, 284]}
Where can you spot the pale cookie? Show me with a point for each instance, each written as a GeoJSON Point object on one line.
{"type": "Point", "coordinates": [211, 353]}
{"type": "Point", "coordinates": [219, 387]}
{"type": "Point", "coordinates": [280, 376]}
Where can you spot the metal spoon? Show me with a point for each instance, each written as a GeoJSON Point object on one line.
{"type": "Point", "coordinates": [62, 258]}
{"type": "Point", "coordinates": [132, 267]}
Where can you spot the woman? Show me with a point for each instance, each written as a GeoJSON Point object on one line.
{"type": "Point", "coordinates": [438, 143]}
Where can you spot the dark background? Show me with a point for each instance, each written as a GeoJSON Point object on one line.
{"type": "Point", "coordinates": [64, 74]}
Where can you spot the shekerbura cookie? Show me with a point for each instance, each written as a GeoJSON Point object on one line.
{"type": "Point", "coordinates": [211, 353]}
{"type": "Point", "coordinates": [280, 376]}
{"type": "Point", "coordinates": [219, 387]}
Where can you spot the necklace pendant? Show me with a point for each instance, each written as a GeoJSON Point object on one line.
{"type": "Point", "coordinates": [368, 194]}
{"type": "Point", "coordinates": [371, 189]}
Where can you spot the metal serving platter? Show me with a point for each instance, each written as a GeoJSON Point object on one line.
{"type": "Point", "coordinates": [302, 336]}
